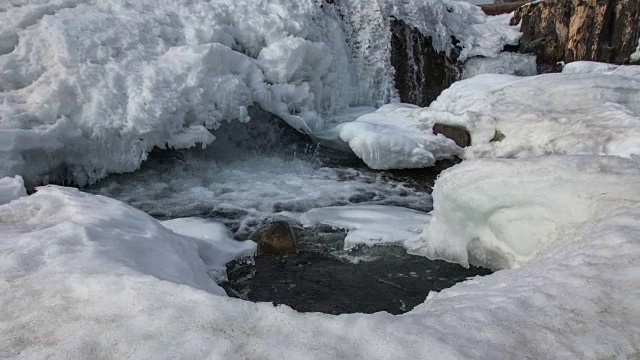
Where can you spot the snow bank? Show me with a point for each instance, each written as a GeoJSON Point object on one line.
{"type": "Point", "coordinates": [391, 138]}
{"type": "Point", "coordinates": [82, 275]}
{"type": "Point", "coordinates": [503, 213]}
{"type": "Point", "coordinates": [561, 114]}
{"type": "Point", "coordinates": [505, 63]}
{"type": "Point", "coordinates": [11, 189]}
{"type": "Point", "coordinates": [370, 224]}
{"type": "Point", "coordinates": [588, 67]}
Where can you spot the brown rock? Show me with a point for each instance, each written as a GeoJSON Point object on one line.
{"type": "Point", "coordinates": [571, 30]}
{"type": "Point", "coordinates": [458, 134]}
{"type": "Point", "coordinates": [276, 238]}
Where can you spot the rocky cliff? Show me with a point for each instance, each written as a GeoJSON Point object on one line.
{"type": "Point", "coordinates": [422, 73]}
{"type": "Point", "coordinates": [570, 30]}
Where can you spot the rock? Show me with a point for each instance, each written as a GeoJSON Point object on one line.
{"type": "Point", "coordinates": [498, 136]}
{"type": "Point", "coordinates": [458, 134]}
{"type": "Point", "coordinates": [421, 72]}
{"type": "Point", "coordinates": [276, 238]}
{"type": "Point", "coordinates": [571, 30]}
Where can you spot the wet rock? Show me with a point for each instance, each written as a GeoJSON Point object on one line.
{"type": "Point", "coordinates": [458, 134]}
{"type": "Point", "coordinates": [276, 238]}
{"type": "Point", "coordinates": [498, 136]}
{"type": "Point", "coordinates": [422, 73]}
{"type": "Point", "coordinates": [571, 30]}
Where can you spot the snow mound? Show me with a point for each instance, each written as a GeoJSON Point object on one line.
{"type": "Point", "coordinates": [504, 213]}
{"type": "Point", "coordinates": [76, 234]}
{"type": "Point", "coordinates": [11, 189]}
{"type": "Point", "coordinates": [391, 138]}
{"type": "Point", "coordinates": [588, 67]}
{"type": "Point", "coordinates": [82, 275]}
{"type": "Point", "coordinates": [550, 114]}
{"type": "Point", "coordinates": [370, 224]}
{"type": "Point", "coordinates": [505, 63]}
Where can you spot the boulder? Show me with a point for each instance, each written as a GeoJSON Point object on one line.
{"type": "Point", "coordinates": [458, 134]}
{"type": "Point", "coordinates": [276, 238]}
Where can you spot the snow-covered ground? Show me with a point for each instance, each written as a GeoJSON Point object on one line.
{"type": "Point", "coordinates": [85, 276]}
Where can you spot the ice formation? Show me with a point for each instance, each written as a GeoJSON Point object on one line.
{"type": "Point", "coordinates": [371, 224]}
{"type": "Point", "coordinates": [505, 63]}
{"type": "Point", "coordinates": [635, 57]}
{"type": "Point", "coordinates": [88, 88]}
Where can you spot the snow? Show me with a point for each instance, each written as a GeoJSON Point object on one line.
{"type": "Point", "coordinates": [587, 67]}
{"type": "Point", "coordinates": [505, 63]}
{"type": "Point", "coordinates": [89, 88]}
{"type": "Point", "coordinates": [391, 138]}
{"type": "Point", "coordinates": [370, 224]}
{"type": "Point", "coordinates": [83, 275]}
{"type": "Point", "coordinates": [550, 114]}
{"type": "Point", "coordinates": [218, 237]}
{"type": "Point", "coordinates": [11, 189]}
{"type": "Point", "coordinates": [503, 213]}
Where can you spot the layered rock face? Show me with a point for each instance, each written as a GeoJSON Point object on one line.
{"type": "Point", "coordinates": [422, 73]}
{"type": "Point", "coordinates": [571, 30]}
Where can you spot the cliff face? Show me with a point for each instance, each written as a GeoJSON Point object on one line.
{"type": "Point", "coordinates": [570, 30]}
{"type": "Point", "coordinates": [422, 73]}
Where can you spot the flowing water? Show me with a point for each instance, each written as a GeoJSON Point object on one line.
{"type": "Point", "coordinates": [264, 171]}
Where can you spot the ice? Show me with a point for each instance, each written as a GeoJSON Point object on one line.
{"type": "Point", "coordinates": [588, 67]}
{"type": "Point", "coordinates": [505, 63]}
{"type": "Point", "coordinates": [478, 34]}
{"type": "Point", "coordinates": [370, 224]}
{"type": "Point", "coordinates": [225, 248]}
{"type": "Point", "coordinates": [635, 57]}
{"type": "Point", "coordinates": [82, 275]}
{"type": "Point", "coordinates": [89, 88]}
{"type": "Point", "coordinates": [501, 213]}
{"type": "Point", "coordinates": [11, 189]}
{"type": "Point", "coordinates": [391, 138]}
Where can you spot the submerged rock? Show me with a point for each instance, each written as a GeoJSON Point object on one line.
{"type": "Point", "coordinates": [571, 30]}
{"type": "Point", "coordinates": [458, 134]}
{"type": "Point", "coordinates": [276, 238]}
